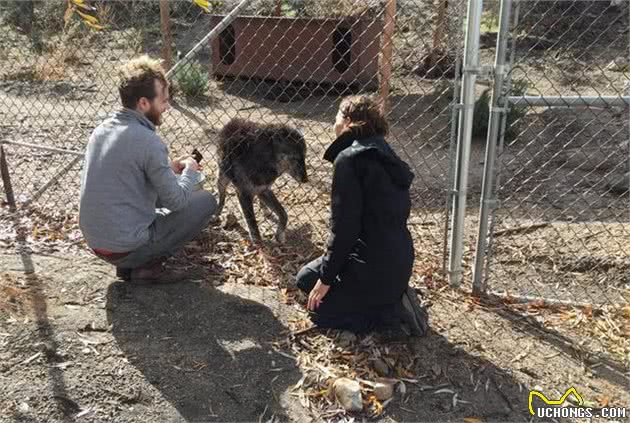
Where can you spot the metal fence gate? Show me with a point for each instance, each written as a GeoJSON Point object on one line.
{"type": "Point", "coordinates": [557, 221]}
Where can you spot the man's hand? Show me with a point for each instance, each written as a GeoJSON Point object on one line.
{"type": "Point", "coordinates": [178, 164]}
{"type": "Point", "coordinates": [190, 163]}
{"type": "Point", "coordinates": [318, 292]}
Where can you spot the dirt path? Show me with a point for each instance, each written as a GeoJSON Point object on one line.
{"type": "Point", "coordinates": [174, 353]}
{"type": "Point", "coordinates": [77, 346]}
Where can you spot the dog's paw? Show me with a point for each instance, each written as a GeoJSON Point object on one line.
{"type": "Point", "coordinates": [230, 222]}
{"type": "Point", "coordinates": [215, 220]}
{"type": "Point", "coordinates": [255, 242]}
{"type": "Point", "coordinates": [281, 237]}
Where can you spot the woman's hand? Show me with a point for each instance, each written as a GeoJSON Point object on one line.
{"type": "Point", "coordinates": [318, 292]}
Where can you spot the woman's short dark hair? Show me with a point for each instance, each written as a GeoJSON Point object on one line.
{"type": "Point", "coordinates": [137, 80]}
{"type": "Point", "coordinates": [365, 115]}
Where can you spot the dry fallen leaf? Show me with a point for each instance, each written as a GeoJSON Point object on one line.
{"type": "Point", "coordinates": [437, 370]}
{"type": "Point", "coordinates": [603, 401]}
{"type": "Point", "coordinates": [472, 420]}
{"type": "Point", "coordinates": [588, 311]}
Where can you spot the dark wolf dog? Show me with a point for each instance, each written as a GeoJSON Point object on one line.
{"type": "Point", "coordinates": [252, 156]}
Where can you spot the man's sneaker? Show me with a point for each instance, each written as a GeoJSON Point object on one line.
{"type": "Point", "coordinates": [123, 273]}
{"type": "Point", "coordinates": [155, 274]}
{"type": "Point", "coordinates": [414, 314]}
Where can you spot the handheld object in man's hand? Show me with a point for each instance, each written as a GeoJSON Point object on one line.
{"type": "Point", "coordinates": [197, 155]}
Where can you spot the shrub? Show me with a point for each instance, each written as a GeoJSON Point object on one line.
{"type": "Point", "coordinates": [514, 114]}
{"type": "Point", "coordinates": [191, 79]}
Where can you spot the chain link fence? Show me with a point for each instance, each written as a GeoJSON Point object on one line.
{"type": "Point", "coordinates": [564, 163]}
{"type": "Point", "coordinates": [556, 205]}
{"type": "Point", "coordinates": [285, 62]}
{"type": "Point", "coordinates": [559, 230]}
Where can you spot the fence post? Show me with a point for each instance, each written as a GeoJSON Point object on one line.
{"type": "Point", "coordinates": [471, 68]}
{"type": "Point", "coordinates": [167, 39]}
{"type": "Point", "coordinates": [6, 179]}
{"type": "Point", "coordinates": [386, 53]}
{"type": "Point", "coordinates": [498, 105]}
{"type": "Point", "coordinates": [438, 34]}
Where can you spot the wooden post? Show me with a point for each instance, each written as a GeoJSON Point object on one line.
{"type": "Point", "coordinates": [6, 179]}
{"type": "Point", "coordinates": [386, 53]}
{"type": "Point", "coordinates": [438, 33]}
{"type": "Point", "coordinates": [26, 15]}
{"type": "Point", "coordinates": [167, 39]}
{"type": "Point", "coordinates": [278, 11]}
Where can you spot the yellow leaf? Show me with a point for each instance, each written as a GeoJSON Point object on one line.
{"type": "Point", "coordinates": [88, 18]}
{"type": "Point", "coordinates": [86, 8]}
{"type": "Point", "coordinates": [202, 3]}
{"type": "Point", "coordinates": [472, 420]}
{"type": "Point", "coordinates": [95, 26]}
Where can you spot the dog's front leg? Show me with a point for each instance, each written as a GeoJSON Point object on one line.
{"type": "Point", "coordinates": [270, 199]}
{"type": "Point", "coordinates": [246, 201]}
{"type": "Point", "coordinates": [222, 185]}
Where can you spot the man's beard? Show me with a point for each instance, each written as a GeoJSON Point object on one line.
{"type": "Point", "coordinates": [154, 116]}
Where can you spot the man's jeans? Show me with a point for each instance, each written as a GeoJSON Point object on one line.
{"type": "Point", "coordinates": [171, 231]}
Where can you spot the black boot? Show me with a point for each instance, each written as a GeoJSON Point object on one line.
{"type": "Point", "coordinates": [413, 313]}
{"type": "Point", "coordinates": [391, 328]}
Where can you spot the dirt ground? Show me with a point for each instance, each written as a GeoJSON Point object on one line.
{"type": "Point", "coordinates": [79, 346]}
{"type": "Point", "coordinates": [228, 345]}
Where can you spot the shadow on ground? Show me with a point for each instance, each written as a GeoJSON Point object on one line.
{"type": "Point", "coordinates": [208, 352]}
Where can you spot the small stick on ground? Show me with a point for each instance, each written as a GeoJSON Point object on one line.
{"type": "Point", "coordinates": [521, 229]}
{"type": "Point", "coordinates": [303, 331]}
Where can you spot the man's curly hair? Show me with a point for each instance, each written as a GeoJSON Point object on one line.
{"type": "Point", "coordinates": [137, 80]}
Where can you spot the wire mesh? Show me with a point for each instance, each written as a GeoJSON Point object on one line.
{"type": "Point", "coordinates": [59, 82]}
{"type": "Point", "coordinates": [560, 230]}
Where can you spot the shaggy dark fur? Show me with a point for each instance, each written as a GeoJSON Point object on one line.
{"type": "Point", "coordinates": [252, 156]}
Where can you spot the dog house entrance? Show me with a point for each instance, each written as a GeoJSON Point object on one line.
{"type": "Point", "coordinates": [227, 45]}
{"type": "Point", "coordinates": [342, 51]}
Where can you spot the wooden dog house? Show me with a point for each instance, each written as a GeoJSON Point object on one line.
{"type": "Point", "coordinates": [319, 50]}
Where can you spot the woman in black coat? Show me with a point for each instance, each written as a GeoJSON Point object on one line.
{"type": "Point", "coordinates": [361, 283]}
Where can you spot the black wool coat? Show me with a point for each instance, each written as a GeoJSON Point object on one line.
{"type": "Point", "coordinates": [369, 254]}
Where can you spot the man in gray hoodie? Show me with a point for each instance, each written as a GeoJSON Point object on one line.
{"type": "Point", "coordinates": [128, 181]}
